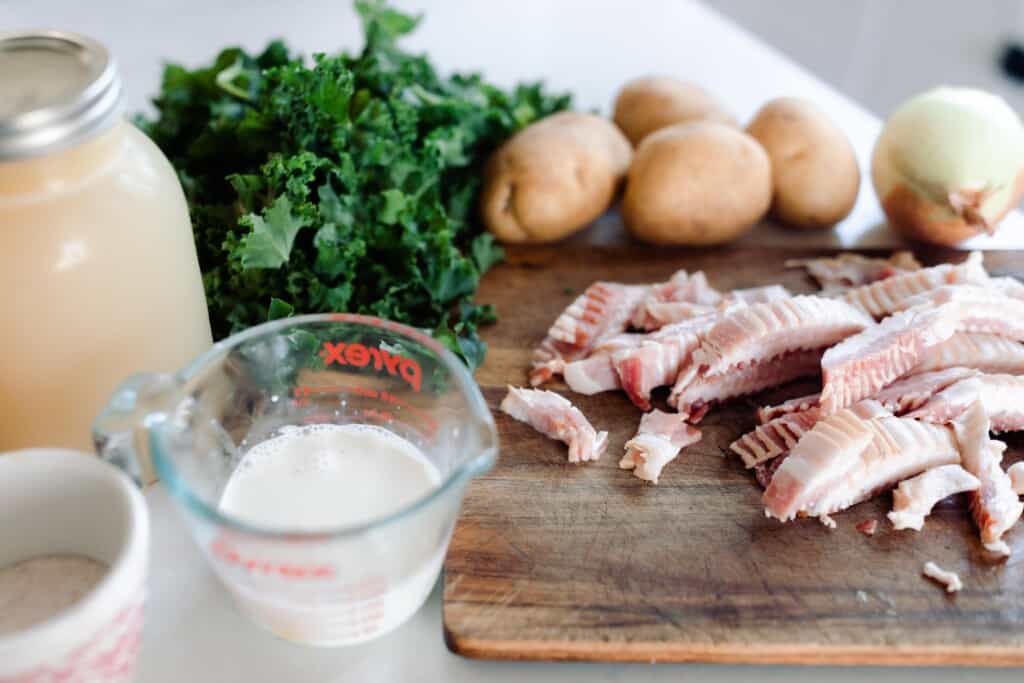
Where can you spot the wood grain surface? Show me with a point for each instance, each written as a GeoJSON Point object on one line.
{"type": "Point", "coordinates": [586, 562]}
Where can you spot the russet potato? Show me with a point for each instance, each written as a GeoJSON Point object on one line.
{"type": "Point", "coordinates": [815, 176]}
{"type": "Point", "coordinates": [651, 103]}
{"type": "Point", "coordinates": [553, 178]}
{"type": "Point", "coordinates": [696, 184]}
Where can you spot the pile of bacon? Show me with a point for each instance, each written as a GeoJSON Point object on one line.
{"type": "Point", "coordinates": [917, 367]}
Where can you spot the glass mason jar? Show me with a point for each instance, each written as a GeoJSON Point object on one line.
{"type": "Point", "coordinates": [98, 271]}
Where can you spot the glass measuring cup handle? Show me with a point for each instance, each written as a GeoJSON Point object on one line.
{"type": "Point", "coordinates": [120, 432]}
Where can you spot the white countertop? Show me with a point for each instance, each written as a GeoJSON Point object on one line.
{"type": "Point", "coordinates": [587, 46]}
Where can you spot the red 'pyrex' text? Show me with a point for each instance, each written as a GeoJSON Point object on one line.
{"type": "Point", "coordinates": [358, 355]}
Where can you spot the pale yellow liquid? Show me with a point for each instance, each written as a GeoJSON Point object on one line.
{"type": "Point", "coordinates": [98, 280]}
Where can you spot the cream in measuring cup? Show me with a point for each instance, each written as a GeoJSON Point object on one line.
{"type": "Point", "coordinates": [325, 476]}
{"type": "Point", "coordinates": [320, 462]}
{"type": "Point", "coordinates": [318, 477]}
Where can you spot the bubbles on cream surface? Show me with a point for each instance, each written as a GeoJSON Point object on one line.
{"type": "Point", "coordinates": [323, 477]}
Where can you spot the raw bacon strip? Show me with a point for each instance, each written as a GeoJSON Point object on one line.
{"type": "Point", "coordinates": [681, 288]}
{"type": "Point", "coordinates": [951, 580]}
{"type": "Point", "coordinates": [871, 410]}
{"type": "Point", "coordinates": [656, 362]}
{"type": "Point", "coordinates": [755, 295]}
{"type": "Point", "coordinates": [657, 314]}
{"type": "Point", "coordinates": [845, 459]}
{"type": "Point", "coordinates": [1001, 396]}
{"type": "Point", "coordinates": [599, 313]}
{"type": "Point", "coordinates": [985, 352]}
{"type": "Point", "coordinates": [595, 373]}
{"type": "Point", "coordinates": [766, 470]}
{"type": "Point", "coordinates": [994, 505]}
{"type": "Point", "coordinates": [657, 442]}
{"type": "Point", "coordinates": [695, 398]}
{"type": "Point", "coordinates": [910, 392]}
{"type": "Point", "coordinates": [1016, 475]}
{"type": "Point", "coordinates": [818, 462]}
{"type": "Point", "coordinates": [553, 416]}
{"type": "Point", "coordinates": [774, 438]}
{"type": "Point", "coordinates": [914, 498]}
{"type": "Point", "coordinates": [888, 296]}
{"type": "Point", "coordinates": [842, 272]}
{"type": "Point", "coordinates": [980, 309]}
{"type": "Point", "coordinates": [861, 365]}
{"type": "Point", "coordinates": [652, 365]}
{"type": "Point", "coordinates": [685, 287]}
{"type": "Point", "coordinates": [763, 331]}
{"type": "Point", "coordinates": [1010, 286]}
{"type": "Point", "coordinates": [913, 391]}
{"type": "Point", "coordinates": [799, 404]}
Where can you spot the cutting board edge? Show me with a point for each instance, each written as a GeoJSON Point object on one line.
{"type": "Point", "coordinates": [682, 653]}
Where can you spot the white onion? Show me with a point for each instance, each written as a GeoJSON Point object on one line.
{"type": "Point", "coordinates": [949, 164]}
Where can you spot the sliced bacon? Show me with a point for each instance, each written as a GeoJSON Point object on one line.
{"type": "Point", "coordinates": [651, 365]}
{"type": "Point", "coordinates": [994, 505]}
{"type": "Point", "coordinates": [695, 397]}
{"type": "Point", "coordinates": [774, 438]}
{"type": "Point", "coordinates": [681, 297]}
{"type": "Point", "coordinates": [951, 580]}
{"type": "Point", "coordinates": [683, 286]}
{"type": "Point", "coordinates": [601, 312]}
{"type": "Point", "coordinates": [842, 272]}
{"type": "Point", "coordinates": [763, 331]}
{"type": "Point", "coordinates": [657, 360]}
{"type": "Point", "coordinates": [794, 405]}
{"type": "Point", "coordinates": [659, 439]}
{"type": "Point", "coordinates": [979, 309]}
{"type": "Point", "coordinates": [755, 295]}
{"type": "Point", "coordinates": [595, 373]}
{"type": "Point", "coordinates": [1016, 474]}
{"type": "Point", "coordinates": [655, 315]}
{"type": "Point", "coordinates": [984, 352]}
{"type": "Point", "coordinates": [910, 392]}
{"type": "Point", "coordinates": [1010, 286]}
{"type": "Point", "coordinates": [1001, 396]}
{"type": "Point", "coordinates": [913, 391]}
{"type": "Point", "coordinates": [766, 470]}
{"type": "Point", "coordinates": [887, 296]}
{"type": "Point", "coordinates": [845, 459]}
{"type": "Point", "coordinates": [914, 498]}
{"type": "Point", "coordinates": [555, 417]}
{"type": "Point", "coordinates": [861, 365]}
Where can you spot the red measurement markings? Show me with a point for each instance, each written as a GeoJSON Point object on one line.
{"type": "Point", "coordinates": [224, 551]}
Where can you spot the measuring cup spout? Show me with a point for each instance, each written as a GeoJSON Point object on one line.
{"type": "Point", "coordinates": [120, 432]}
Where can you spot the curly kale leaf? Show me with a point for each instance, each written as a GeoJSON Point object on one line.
{"type": "Point", "coordinates": [345, 183]}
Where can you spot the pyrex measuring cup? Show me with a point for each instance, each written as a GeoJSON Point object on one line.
{"type": "Point", "coordinates": [333, 587]}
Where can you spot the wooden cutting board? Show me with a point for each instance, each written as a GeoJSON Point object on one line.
{"type": "Point", "coordinates": [556, 561]}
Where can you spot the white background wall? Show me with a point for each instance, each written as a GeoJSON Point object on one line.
{"type": "Point", "coordinates": [876, 51]}
{"type": "Point", "coordinates": [879, 52]}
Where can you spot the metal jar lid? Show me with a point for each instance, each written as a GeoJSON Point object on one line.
{"type": "Point", "coordinates": [56, 90]}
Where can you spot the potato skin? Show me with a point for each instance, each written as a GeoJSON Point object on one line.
{"type": "Point", "coordinates": [815, 175]}
{"type": "Point", "coordinates": [553, 178]}
{"type": "Point", "coordinates": [696, 184]}
{"type": "Point", "coordinates": [647, 104]}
